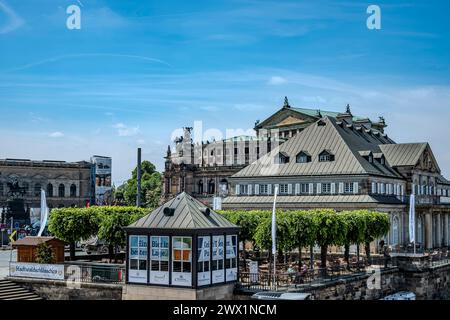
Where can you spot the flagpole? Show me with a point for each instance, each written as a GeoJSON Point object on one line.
{"type": "Point", "coordinates": [274, 236]}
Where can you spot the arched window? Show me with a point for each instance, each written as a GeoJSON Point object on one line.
{"type": "Point", "coordinates": [395, 231]}
{"type": "Point", "coordinates": [61, 191]}
{"type": "Point", "coordinates": [26, 187]}
{"type": "Point", "coordinates": [200, 186]}
{"type": "Point", "coordinates": [73, 190]}
{"type": "Point", "coordinates": [211, 187]}
{"type": "Point", "coordinates": [223, 186]}
{"type": "Point", "coordinates": [37, 189]}
{"type": "Point", "coordinates": [50, 190]}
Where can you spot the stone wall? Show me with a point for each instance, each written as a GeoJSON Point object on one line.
{"type": "Point", "coordinates": [58, 290]}
{"type": "Point", "coordinates": [145, 292]}
{"type": "Point", "coordinates": [357, 288]}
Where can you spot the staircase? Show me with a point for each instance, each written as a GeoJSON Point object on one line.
{"type": "Point", "coordinates": [12, 291]}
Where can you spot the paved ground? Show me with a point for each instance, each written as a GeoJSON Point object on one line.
{"type": "Point", "coordinates": [4, 261]}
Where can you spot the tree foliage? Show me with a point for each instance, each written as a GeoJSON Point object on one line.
{"type": "Point", "coordinates": [150, 187]}
{"type": "Point", "coordinates": [297, 228]}
{"type": "Point", "coordinates": [44, 253]}
{"type": "Point", "coordinates": [75, 224]}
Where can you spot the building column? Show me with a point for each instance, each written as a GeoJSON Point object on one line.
{"type": "Point", "coordinates": [446, 229]}
{"type": "Point", "coordinates": [428, 231]}
{"type": "Point", "coordinates": [438, 230]}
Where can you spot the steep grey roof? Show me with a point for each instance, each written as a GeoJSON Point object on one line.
{"type": "Point", "coordinates": [364, 198]}
{"type": "Point", "coordinates": [343, 141]}
{"type": "Point", "coordinates": [188, 215]}
{"type": "Point", "coordinates": [403, 154]}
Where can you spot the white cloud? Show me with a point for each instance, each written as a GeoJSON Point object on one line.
{"type": "Point", "coordinates": [140, 142]}
{"type": "Point", "coordinates": [276, 80]}
{"type": "Point", "coordinates": [56, 134]}
{"type": "Point", "coordinates": [125, 131]}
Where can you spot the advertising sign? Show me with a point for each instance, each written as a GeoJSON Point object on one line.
{"type": "Point", "coordinates": [102, 176]}
{"type": "Point", "coordinates": [36, 270]}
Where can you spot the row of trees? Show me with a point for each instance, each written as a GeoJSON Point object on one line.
{"type": "Point", "coordinates": [76, 224]}
{"type": "Point", "coordinates": [299, 229]}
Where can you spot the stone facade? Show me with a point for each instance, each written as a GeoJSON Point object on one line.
{"type": "Point", "coordinates": [58, 290]}
{"type": "Point", "coordinates": [145, 292]}
{"type": "Point", "coordinates": [67, 184]}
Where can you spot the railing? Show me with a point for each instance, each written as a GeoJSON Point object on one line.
{"type": "Point", "coordinates": [93, 273]}
{"type": "Point", "coordinates": [283, 280]}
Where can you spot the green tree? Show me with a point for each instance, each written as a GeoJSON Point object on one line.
{"type": "Point", "coordinates": [356, 228]}
{"type": "Point", "coordinates": [302, 229]}
{"type": "Point", "coordinates": [377, 225]}
{"type": "Point", "coordinates": [150, 187]}
{"type": "Point", "coordinates": [112, 224]}
{"type": "Point", "coordinates": [44, 253]}
{"type": "Point", "coordinates": [331, 230]}
{"type": "Point", "coordinates": [263, 235]}
{"type": "Point", "coordinates": [73, 224]}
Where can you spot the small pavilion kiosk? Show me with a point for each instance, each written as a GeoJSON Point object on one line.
{"type": "Point", "coordinates": [181, 250]}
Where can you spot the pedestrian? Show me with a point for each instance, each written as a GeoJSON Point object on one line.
{"type": "Point", "coordinates": [386, 255]}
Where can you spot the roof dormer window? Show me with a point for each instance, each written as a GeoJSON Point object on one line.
{"type": "Point", "coordinates": [303, 157]}
{"type": "Point", "coordinates": [326, 156]}
{"type": "Point", "coordinates": [282, 158]}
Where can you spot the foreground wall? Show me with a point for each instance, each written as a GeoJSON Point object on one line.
{"type": "Point", "coordinates": [144, 292]}
{"type": "Point", "coordinates": [58, 290]}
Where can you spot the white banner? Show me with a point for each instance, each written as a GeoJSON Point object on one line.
{"type": "Point", "coordinates": [412, 219]}
{"type": "Point", "coordinates": [44, 213]}
{"type": "Point", "coordinates": [36, 270]}
{"type": "Point", "coordinates": [274, 222]}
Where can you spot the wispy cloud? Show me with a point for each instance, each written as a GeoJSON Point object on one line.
{"type": "Point", "coordinates": [13, 20]}
{"type": "Point", "coordinates": [56, 134]}
{"type": "Point", "coordinates": [276, 80]}
{"type": "Point", "coordinates": [87, 55]}
{"type": "Point", "coordinates": [126, 131]}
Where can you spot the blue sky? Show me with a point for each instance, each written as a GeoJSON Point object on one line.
{"type": "Point", "coordinates": [138, 70]}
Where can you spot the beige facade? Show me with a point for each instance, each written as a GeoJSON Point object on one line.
{"type": "Point", "coordinates": [66, 184]}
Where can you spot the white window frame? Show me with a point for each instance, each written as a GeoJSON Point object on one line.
{"type": "Point", "coordinates": [326, 188]}
{"type": "Point", "coordinates": [283, 188]}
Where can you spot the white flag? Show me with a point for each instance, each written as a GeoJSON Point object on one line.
{"type": "Point", "coordinates": [412, 219]}
{"type": "Point", "coordinates": [44, 213]}
{"type": "Point", "coordinates": [274, 222]}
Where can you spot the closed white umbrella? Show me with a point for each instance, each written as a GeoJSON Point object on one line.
{"type": "Point", "coordinates": [412, 221]}
{"type": "Point", "coordinates": [44, 213]}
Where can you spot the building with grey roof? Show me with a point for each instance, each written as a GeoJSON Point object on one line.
{"type": "Point", "coordinates": [203, 169]}
{"type": "Point", "coordinates": [341, 163]}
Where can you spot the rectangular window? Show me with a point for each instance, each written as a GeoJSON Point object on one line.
{"type": "Point", "coordinates": [217, 259]}
{"type": "Point", "coordinates": [283, 188]}
{"type": "Point", "coordinates": [159, 260]}
{"type": "Point", "coordinates": [243, 189]}
{"type": "Point", "coordinates": [304, 188]}
{"type": "Point", "coordinates": [138, 259]}
{"type": "Point", "coordinates": [348, 187]}
{"type": "Point", "coordinates": [231, 258]}
{"type": "Point", "coordinates": [182, 261]}
{"type": "Point", "coordinates": [203, 261]}
{"type": "Point", "coordinates": [263, 189]}
{"type": "Point", "coordinates": [326, 188]}
{"type": "Point", "coordinates": [326, 157]}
